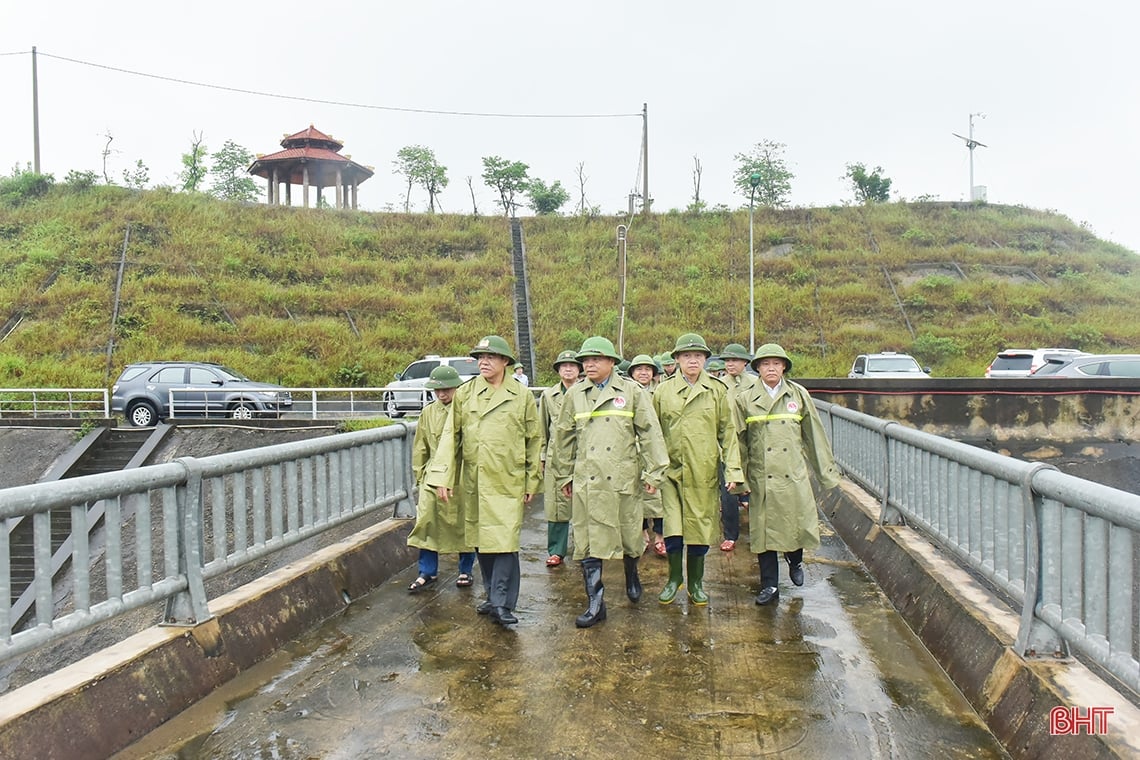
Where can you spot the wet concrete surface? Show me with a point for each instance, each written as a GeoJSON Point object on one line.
{"type": "Point", "coordinates": [830, 672]}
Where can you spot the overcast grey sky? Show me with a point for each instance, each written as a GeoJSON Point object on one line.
{"type": "Point", "coordinates": [883, 83]}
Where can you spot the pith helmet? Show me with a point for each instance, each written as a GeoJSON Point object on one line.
{"type": "Point", "coordinates": [493, 344]}
{"type": "Point", "coordinates": [598, 346]}
{"type": "Point", "coordinates": [769, 351]}
{"type": "Point", "coordinates": [714, 365]}
{"type": "Point", "coordinates": [646, 360]}
{"type": "Point", "coordinates": [735, 351]}
{"type": "Point", "coordinates": [666, 359]}
{"type": "Point", "coordinates": [691, 342]}
{"type": "Point", "coordinates": [567, 357]}
{"type": "Point", "coordinates": [623, 367]}
{"type": "Point", "coordinates": [443, 377]}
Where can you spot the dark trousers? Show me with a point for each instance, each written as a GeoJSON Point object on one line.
{"type": "Point", "coordinates": [557, 538]}
{"type": "Point", "coordinates": [729, 511]}
{"type": "Point", "coordinates": [770, 566]}
{"type": "Point", "coordinates": [674, 545]}
{"type": "Point", "coordinates": [501, 576]}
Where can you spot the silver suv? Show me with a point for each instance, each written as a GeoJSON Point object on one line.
{"type": "Point", "coordinates": [887, 364]}
{"type": "Point", "coordinates": [408, 394]}
{"type": "Point", "coordinates": [200, 389]}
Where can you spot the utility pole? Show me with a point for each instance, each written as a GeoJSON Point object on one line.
{"type": "Point", "coordinates": [35, 116]}
{"type": "Point", "coordinates": [622, 271]}
{"type": "Point", "coordinates": [645, 158]}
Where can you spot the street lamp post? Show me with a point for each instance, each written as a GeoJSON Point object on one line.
{"type": "Point", "coordinates": [753, 180]}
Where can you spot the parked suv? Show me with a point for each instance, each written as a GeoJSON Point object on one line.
{"type": "Point", "coordinates": [887, 364]}
{"type": "Point", "coordinates": [410, 395]}
{"type": "Point", "coordinates": [1022, 362]}
{"type": "Point", "coordinates": [200, 389]}
{"type": "Point", "coordinates": [1100, 365]}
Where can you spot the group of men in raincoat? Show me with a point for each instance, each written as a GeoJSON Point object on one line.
{"type": "Point", "coordinates": [604, 443]}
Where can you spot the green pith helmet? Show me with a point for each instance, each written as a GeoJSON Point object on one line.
{"type": "Point", "coordinates": [714, 365]}
{"type": "Point", "coordinates": [598, 346]}
{"type": "Point", "coordinates": [567, 357]}
{"type": "Point", "coordinates": [666, 359]}
{"type": "Point", "coordinates": [623, 367]}
{"type": "Point", "coordinates": [768, 351]}
{"type": "Point", "coordinates": [735, 351]}
{"type": "Point", "coordinates": [646, 360]}
{"type": "Point", "coordinates": [691, 342]}
{"type": "Point", "coordinates": [443, 377]}
{"type": "Point", "coordinates": [493, 344]}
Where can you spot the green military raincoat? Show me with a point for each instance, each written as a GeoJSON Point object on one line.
{"type": "Point", "coordinates": [608, 444]}
{"type": "Point", "coordinates": [783, 440]}
{"type": "Point", "coordinates": [496, 434]}
{"type": "Point", "coordinates": [439, 524]}
{"type": "Point", "coordinates": [555, 504]}
{"type": "Point", "coordinates": [700, 433]}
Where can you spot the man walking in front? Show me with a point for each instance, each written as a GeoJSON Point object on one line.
{"type": "Point", "coordinates": [607, 444]}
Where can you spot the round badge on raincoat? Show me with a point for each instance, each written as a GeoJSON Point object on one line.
{"type": "Point", "coordinates": [793, 407]}
{"type": "Point", "coordinates": [619, 402]}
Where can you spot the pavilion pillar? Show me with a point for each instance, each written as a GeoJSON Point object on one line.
{"type": "Point", "coordinates": [319, 189]}
{"type": "Point", "coordinates": [272, 199]}
{"type": "Point", "coordinates": [354, 186]}
{"type": "Point", "coordinates": [305, 175]}
{"type": "Point", "coordinates": [339, 189]}
{"type": "Point", "coordinates": [288, 194]}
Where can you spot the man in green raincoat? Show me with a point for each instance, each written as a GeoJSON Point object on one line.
{"type": "Point", "coordinates": [492, 431]}
{"type": "Point", "coordinates": [645, 370]}
{"type": "Point", "coordinates": [555, 503]}
{"type": "Point", "coordinates": [736, 359]}
{"type": "Point", "coordinates": [607, 444]}
{"type": "Point", "coordinates": [696, 420]}
{"type": "Point", "coordinates": [439, 525]}
{"type": "Point", "coordinates": [783, 440]}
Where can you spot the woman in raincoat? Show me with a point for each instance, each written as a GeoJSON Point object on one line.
{"type": "Point", "coordinates": [439, 525]}
{"type": "Point", "coordinates": [783, 441]}
{"type": "Point", "coordinates": [696, 420]}
{"type": "Point", "coordinates": [493, 425]}
{"type": "Point", "coordinates": [555, 503]}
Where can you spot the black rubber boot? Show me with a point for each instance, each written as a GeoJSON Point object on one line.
{"type": "Point", "coordinates": [632, 582]}
{"type": "Point", "coordinates": [592, 577]}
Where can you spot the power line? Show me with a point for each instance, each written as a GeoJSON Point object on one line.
{"type": "Point", "coordinates": [338, 102]}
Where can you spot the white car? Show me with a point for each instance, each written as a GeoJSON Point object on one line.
{"type": "Point", "coordinates": [1023, 362]}
{"type": "Point", "coordinates": [888, 365]}
{"type": "Point", "coordinates": [408, 393]}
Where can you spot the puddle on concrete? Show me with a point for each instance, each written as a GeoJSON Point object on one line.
{"type": "Point", "coordinates": [831, 671]}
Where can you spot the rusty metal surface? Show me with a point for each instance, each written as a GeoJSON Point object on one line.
{"type": "Point", "coordinates": [831, 671]}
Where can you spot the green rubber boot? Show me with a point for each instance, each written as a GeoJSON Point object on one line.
{"type": "Point", "coordinates": [676, 578]}
{"type": "Point", "coordinates": [697, 593]}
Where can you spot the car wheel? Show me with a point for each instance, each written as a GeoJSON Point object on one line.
{"type": "Point", "coordinates": [142, 414]}
{"type": "Point", "coordinates": [394, 412]}
{"type": "Point", "coordinates": [242, 410]}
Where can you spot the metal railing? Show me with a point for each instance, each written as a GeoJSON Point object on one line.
{"type": "Point", "coordinates": [1065, 549]}
{"type": "Point", "coordinates": [54, 402]}
{"type": "Point", "coordinates": [173, 526]}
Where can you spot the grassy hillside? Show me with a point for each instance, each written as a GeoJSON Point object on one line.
{"type": "Point", "coordinates": [307, 297]}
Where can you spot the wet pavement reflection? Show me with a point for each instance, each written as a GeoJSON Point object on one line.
{"type": "Point", "coordinates": [829, 672]}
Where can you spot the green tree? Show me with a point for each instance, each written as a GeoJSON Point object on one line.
{"type": "Point", "coordinates": [546, 199]}
{"type": "Point", "coordinates": [193, 166]}
{"type": "Point", "coordinates": [231, 178]}
{"type": "Point", "coordinates": [869, 187]}
{"type": "Point", "coordinates": [508, 178]}
{"type": "Point", "coordinates": [419, 166]}
{"type": "Point", "coordinates": [138, 177]}
{"type": "Point", "coordinates": [766, 159]}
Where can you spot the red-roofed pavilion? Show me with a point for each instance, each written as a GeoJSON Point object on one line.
{"type": "Point", "coordinates": [311, 158]}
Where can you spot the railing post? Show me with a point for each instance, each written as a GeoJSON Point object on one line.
{"type": "Point", "coordinates": [1035, 638]}
{"type": "Point", "coordinates": [888, 514]}
{"type": "Point", "coordinates": [189, 607]}
{"type": "Point", "coordinates": [406, 507]}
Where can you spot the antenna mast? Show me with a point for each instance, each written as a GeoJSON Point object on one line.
{"type": "Point", "coordinates": [971, 143]}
